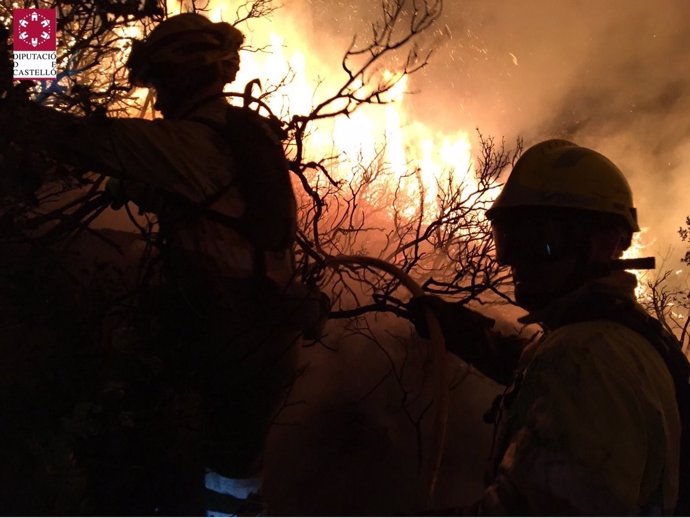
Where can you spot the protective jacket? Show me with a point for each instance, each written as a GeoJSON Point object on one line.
{"type": "Point", "coordinates": [186, 157]}
{"type": "Point", "coordinates": [590, 425]}
{"type": "Point", "coordinates": [224, 333]}
{"type": "Point", "coordinates": [223, 337]}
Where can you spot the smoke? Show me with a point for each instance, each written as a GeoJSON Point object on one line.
{"type": "Point", "coordinates": [345, 444]}
{"type": "Point", "coordinates": [607, 75]}
{"type": "Point", "coordinates": [611, 76]}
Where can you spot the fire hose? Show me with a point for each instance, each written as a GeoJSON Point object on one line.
{"type": "Point", "coordinates": [431, 469]}
{"type": "Point", "coordinates": [430, 473]}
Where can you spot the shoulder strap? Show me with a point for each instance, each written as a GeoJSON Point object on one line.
{"type": "Point", "coordinates": [239, 125]}
{"type": "Point", "coordinates": [203, 208]}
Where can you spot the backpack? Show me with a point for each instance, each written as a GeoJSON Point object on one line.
{"type": "Point", "coordinates": [626, 313]}
{"type": "Point", "coordinates": [262, 176]}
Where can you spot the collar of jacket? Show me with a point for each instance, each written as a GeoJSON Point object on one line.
{"type": "Point", "coordinates": [619, 285]}
{"type": "Point", "coordinates": [207, 106]}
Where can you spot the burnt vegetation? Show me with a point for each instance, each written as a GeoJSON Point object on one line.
{"type": "Point", "coordinates": [668, 297]}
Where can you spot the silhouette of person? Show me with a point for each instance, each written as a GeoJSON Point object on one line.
{"type": "Point", "coordinates": [228, 311]}
{"type": "Point", "coordinates": [590, 422]}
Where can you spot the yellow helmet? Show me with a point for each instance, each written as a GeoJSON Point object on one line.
{"type": "Point", "coordinates": [181, 44]}
{"type": "Point", "coordinates": [559, 174]}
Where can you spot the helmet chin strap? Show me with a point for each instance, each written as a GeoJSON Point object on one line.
{"type": "Point", "coordinates": [581, 273]}
{"type": "Point", "coordinates": [586, 270]}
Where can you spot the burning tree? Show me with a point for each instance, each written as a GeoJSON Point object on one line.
{"type": "Point", "coordinates": [667, 298]}
{"type": "Point", "coordinates": [96, 382]}
{"type": "Point", "coordinates": [670, 305]}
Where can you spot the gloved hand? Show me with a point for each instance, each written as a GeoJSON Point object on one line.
{"type": "Point", "coordinates": [464, 330]}
{"type": "Point", "coordinates": [417, 307]}
{"type": "Point", "coordinates": [306, 307]}
{"type": "Point", "coordinates": [322, 308]}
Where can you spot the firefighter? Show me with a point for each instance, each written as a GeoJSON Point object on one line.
{"type": "Point", "coordinates": [229, 310]}
{"type": "Point", "coordinates": [589, 423]}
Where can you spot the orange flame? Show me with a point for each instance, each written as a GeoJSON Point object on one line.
{"type": "Point", "coordinates": [411, 159]}
{"type": "Point", "coordinates": [415, 157]}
